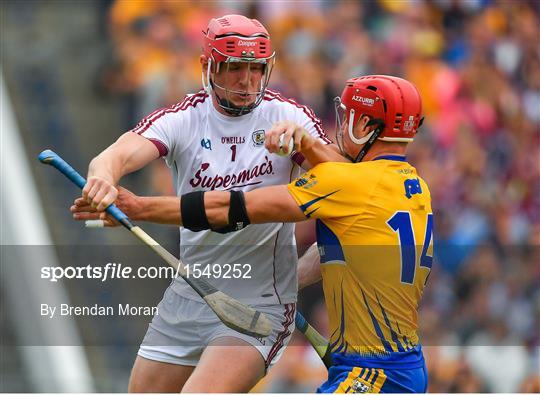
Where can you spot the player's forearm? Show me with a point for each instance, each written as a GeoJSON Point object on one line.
{"type": "Point", "coordinates": [167, 209]}
{"type": "Point", "coordinates": [271, 204]}
{"type": "Point", "coordinates": [319, 152]}
{"type": "Point", "coordinates": [309, 267]}
{"type": "Point", "coordinates": [158, 209]}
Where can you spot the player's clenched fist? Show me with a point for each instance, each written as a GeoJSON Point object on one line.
{"type": "Point", "coordinates": [285, 137]}
{"type": "Point", "coordinates": [99, 193]}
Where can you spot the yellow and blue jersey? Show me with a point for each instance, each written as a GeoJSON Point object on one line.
{"type": "Point", "coordinates": [374, 233]}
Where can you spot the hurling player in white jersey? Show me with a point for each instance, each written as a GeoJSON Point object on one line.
{"type": "Point", "coordinates": [215, 139]}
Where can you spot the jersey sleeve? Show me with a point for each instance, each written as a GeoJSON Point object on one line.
{"type": "Point", "coordinates": [156, 127]}
{"type": "Point", "coordinates": [319, 193]}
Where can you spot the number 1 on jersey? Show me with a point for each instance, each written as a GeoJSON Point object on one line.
{"type": "Point", "coordinates": [233, 154]}
{"type": "Point", "coordinates": [401, 223]}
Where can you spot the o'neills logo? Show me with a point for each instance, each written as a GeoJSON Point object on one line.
{"type": "Point", "coordinates": [230, 180]}
{"type": "Point", "coordinates": [364, 100]}
{"type": "Point", "coordinates": [247, 43]}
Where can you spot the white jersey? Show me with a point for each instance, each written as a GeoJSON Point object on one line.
{"type": "Point", "coordinates": [207, 150]}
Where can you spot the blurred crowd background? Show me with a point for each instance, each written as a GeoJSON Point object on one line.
{"type": "Point", "coordinates": [81, 73]}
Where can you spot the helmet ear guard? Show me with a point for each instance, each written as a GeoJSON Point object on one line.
{"type": "Point", "coordinates": [368, 140]}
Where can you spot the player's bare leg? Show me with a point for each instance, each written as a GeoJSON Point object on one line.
{"type": "Point", "coordinates": [227, 365]}
{"type": "Point", "coordinates": [154, 376]}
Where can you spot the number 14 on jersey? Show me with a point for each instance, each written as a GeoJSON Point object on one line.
{"type": "Point", "coordinates": [401, 223]}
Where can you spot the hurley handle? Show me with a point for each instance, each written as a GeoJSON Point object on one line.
{"type": "Point", "coordinates": [51, 158]}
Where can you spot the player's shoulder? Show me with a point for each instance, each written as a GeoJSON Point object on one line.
{"type": "Point", "coordinates": [329, 167]}
{"type": "Point", "coordinates": [176, 113]}
{"type": "Point", "coordinates": [347, 174]}
{"type": "Point", "coordinates": [401, 171]}
{"type": "Point", "coordinates": [192, 102]}
{"type": "Point", "coordinates": [424, 185]}
{"type": "Point", "coordinates": [332, 172]}
{"type": "Point", "coordinates": [274, 100]}
{"type": "Point", "coordinates": [190, 105]}
{"type": "Point", "coordinates": [276, 107]}
{"type": "Point", "coordinates": [388, 169]}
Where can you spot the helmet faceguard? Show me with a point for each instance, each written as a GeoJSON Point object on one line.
{"type": "Point", "coordinates": [393, 105]}
{"type": "Point", "coordinates": [234, 39]}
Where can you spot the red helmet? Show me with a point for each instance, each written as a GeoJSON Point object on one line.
{"type": "Point", "coordinates": [235, 38]}
{"type": "Point", "coordinates": [393, 101]}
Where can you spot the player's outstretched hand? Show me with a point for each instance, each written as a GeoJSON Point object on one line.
{"type": "Point", "coordinates": [125, 201]}
{"type": "Point", "coordinates": [274, 143]}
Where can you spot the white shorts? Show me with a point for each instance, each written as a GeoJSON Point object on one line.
{"type": "Point", "coordinates": [182, 328]}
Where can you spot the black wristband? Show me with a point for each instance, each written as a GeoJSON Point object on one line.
{"type": "Point", "coordinates": [193, 212]}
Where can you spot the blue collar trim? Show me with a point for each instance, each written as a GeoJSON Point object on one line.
{"type": "Point", "coordinates": [399, 158]}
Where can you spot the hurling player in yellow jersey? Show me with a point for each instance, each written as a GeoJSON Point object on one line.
{"type": "Point", "coordinates": [374, 231]}
{"type": "Point", "coordinates": [374, 235]}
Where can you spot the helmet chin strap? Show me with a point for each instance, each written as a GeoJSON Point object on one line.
{"type": "Point", "coordinates": [373, 136]}
{"type": "Point", "coordinates": [231, 108]}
